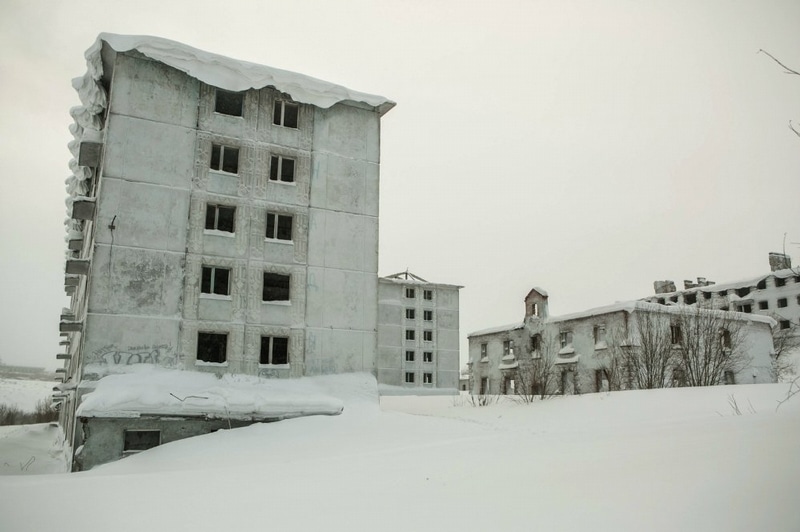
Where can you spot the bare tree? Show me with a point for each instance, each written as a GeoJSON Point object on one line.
{"type": "Point", "coordinates": [536, 376]}
{"type": "Point", "coordinates": [711, 345]}
{"type": "Point", "coordinates": [651, 363]}
{"type": "Point", "coordinates": [616, 361]}
{"type": "Point", "coordinates": [786, 70]}
{"type": "Point", "coordinates": [786, 348]}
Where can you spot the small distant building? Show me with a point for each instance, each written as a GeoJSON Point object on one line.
{"type": "Point", "coordinates": [418, 340]}
{"type": "Point", "coordinates": [577, 348]}
{"type": "Point", "coordinates": [775, 294]}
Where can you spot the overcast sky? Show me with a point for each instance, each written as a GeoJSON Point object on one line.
{"type": "Point", "coordinates": [586, 147]}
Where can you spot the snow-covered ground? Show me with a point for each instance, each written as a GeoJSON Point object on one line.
{"type": "Point", "coordinates": [24, 394]}
{"type": "Point", "coordinates": [649, 460]}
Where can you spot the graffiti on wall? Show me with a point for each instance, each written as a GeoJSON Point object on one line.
{"type": "Point", "coordinates": [160, 355]}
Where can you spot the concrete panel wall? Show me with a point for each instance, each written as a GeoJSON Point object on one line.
{"type": "Point", "coordinates": [147, 89]}
{"type": "Point", "coordinates": [149, 152]}
{"type": "Point", "coordinates": [136, 281]}
{"type": "Point", "coordinates": [132, 207]}
{"type": "Point", "coordinates": [126, 340]}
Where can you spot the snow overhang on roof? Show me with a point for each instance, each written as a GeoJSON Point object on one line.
{"type": "Point", "coordinates": [231, 74]}
{"type": "Point", "coordinates": [494, 330]}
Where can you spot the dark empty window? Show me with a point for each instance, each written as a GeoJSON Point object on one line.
{"type": "Point", "coordinates": [746, 308]}
{"type": "Point", "coordinates": [707, 295]}
{"type": "Point", "coordinates": [140, 440]}
{"type": "Point", "coordinates": [427, 315]}
{"type": "Point", "coordinates": [410, 293]}
{"type": "Point", "coordinates": [725, 339]}
{"type": "Point", "coordinates": [220, 217]}
{"type": "Point", "coordinates": [536, 341]}
{"type": "Point", "coordinates": [410, 335]}
{"type": "Point", "coordinates": [427, 356]}
{"type": "Point", "coordinates": [690, 299]}
{"type": "Point", "coordinates": [215, 281]}
{"type": "Point", "coordinates": [281, 169]}
{"type": "Point", "coordinates": [783, 303]}
{"type": "Point", "coordinates": [276, 287]}
{"type": "Point", "coordinates": [675, 334]}
{"type": "Point", "coordinates": [763, 305]}
{"type": "Point", "coordinates": [229, 103]}
{"type": "Point", "coordinates": [285, 114]}
{"type": "Point", "coordinates": [409, 377]}
{"type": "Point", "coordinates": [409, 356]}
{"type": "Point", "coordinates": [410, 314]}
{"type": "Point", "coordinates": [427, 378]}
{"type": "Point", "coordinates": [785, 324]}
{"type": "Point", "coordinates": [741, 292]}
{"type": "Point", "coordinates": [212, 347]}
{"type": "Point", "coordinates": [274, 350]}
{"type": "Point", "coordinates": [279, 226]}
{"type": "Point", "coordinates": [729, 377]}
{"type": "Point", "coordinates": [762, 284]}
{"type": "Point", "coordinates": [427, 295]}
{"type": "Point", "coordinates": [224, 158]}
{"type": "Point", "coordinates": [427, 336]}
{"type": "Point", "coordinates": [780, 282]}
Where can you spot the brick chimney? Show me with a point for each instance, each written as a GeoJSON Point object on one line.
{"type": "Point", "coordinates": [779, 261]}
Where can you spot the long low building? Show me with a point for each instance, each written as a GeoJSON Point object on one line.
{"type": "Point", "coordinates": [626, 345]}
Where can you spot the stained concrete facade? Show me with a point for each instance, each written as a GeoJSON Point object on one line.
{"type": "Point", "coordinates": [151, 150]}
{"type": "Point", "coordinates": [579, 345]}
{"type": "Point", "coordinates": [418, 341]}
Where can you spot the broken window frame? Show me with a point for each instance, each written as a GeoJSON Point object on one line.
{"type": "Point", "coordinates": [427, 335]}
{"type": "Point", "coordinates": [675, 334]}
{"type": "Point", "coordinates": [281, 118]}
{"type": "Point", "coordinates": [279, 227]}
{"type": "Point", "coordinates": [215, 220]}
{"type": "Point", "coordinates": [427, 357]}
{"type": "Point", "coordinates": [427, 378]}
{"type": "Point", "coordinates": [224, 159]}
{"type": "Point", "coordinates": [282, 169]}
{"type": "Point", "coordinates": [272, 348]}
{"type": "Point", "coordinates": [215, 280]}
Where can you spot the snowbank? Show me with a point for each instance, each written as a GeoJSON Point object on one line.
{"type": "Point", "coordinates": [148, 389]}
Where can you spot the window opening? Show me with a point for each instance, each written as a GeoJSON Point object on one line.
{"type": "Point", "coordinates": [220, 218]}
{"type": "Point", "coordinates": [212, 347]}
{"type": "Point", "coordinates": [427, 315]}
{"type": "Point", "coordinates": [409, 377]}
{"type": "Point", "coordinates": [410, 293]}
{"type": "Point", "coordinates": [276, 287]}
{"type": "Point", "coordinates": [783, 302]}
{"type": "Point", "coordinates": [285, 114]}
{"type": "Point", "coordinates": [410, 334]}
{"type": "Point", "coordinates": [410, 356]}
{"type": "Point", "coordinates": [215, 281]}
{"type": "Point", "coordinates": [279, 226]}
{"type": "Point", "coordinates": [410, 314]}
{"type": "Point", "coordinates": [274, 350]}
{"type": "Point", "coordinates": [427, 336]}
{"type": "Point", "coordinates": [224, 159]}
{"type": "Point", "coordinates": [135, 441]}
{"type": "Point", "coordinates": [427, 356]}
{"type": "Point", "coordinates": [281, 169]}
{"type": "Point", "coordinates": [427, 378]}
{"type": "Point", "coordinates": [427, 295]}
{"type": "Point", "coordinates": [229, 103]}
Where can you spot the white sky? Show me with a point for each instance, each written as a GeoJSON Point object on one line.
{"type": "Point", "coordinates": [585, 147]}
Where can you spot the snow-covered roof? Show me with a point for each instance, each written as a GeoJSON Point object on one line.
{"type": "Point", "coordinates": [629, 307]}
{"type": "Point", "coordinates": [493, 330]}
{"type": "Point", "coordinates": [733, 285]}
{"type": "Point", "coordinates": [234, 75]}
{"type": "Point", "coordinates": [146, 389]}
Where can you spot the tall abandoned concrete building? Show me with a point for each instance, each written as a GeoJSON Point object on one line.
{"type": "Point", "coordinates": [223, 219]}
{"type": "Point", "coordinates": [417, 333]}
